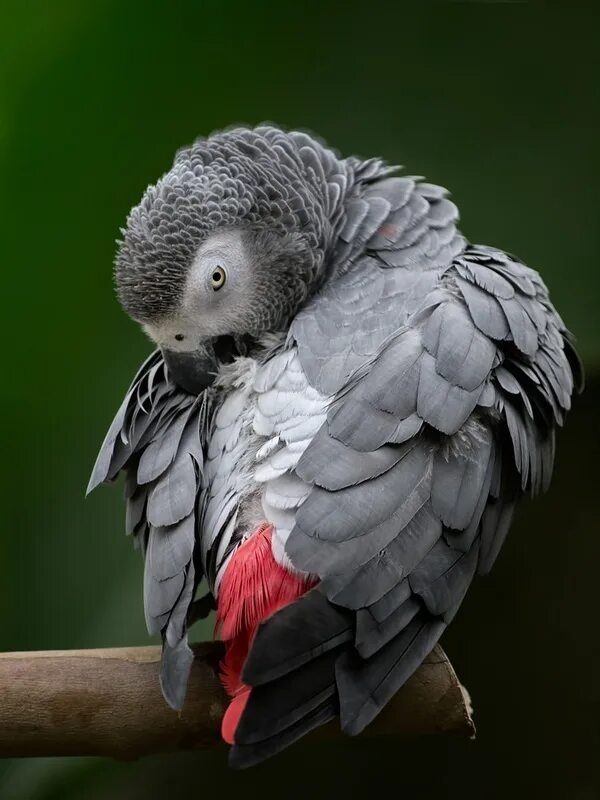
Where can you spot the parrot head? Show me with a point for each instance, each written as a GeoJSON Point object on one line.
{"type": "Point", "coordinates": [221, 251]}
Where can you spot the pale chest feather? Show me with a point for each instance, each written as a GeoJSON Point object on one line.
{"type": "Point", "coordinates": [267, 416]}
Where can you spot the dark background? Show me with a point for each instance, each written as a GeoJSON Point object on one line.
{"type": "Point", "coordinates": [497, 101]}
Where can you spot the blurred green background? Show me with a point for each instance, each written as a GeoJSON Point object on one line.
{"type": "Point", "coordinates": [497, 101]}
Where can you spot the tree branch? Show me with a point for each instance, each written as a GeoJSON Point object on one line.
{"type": "Point", "coordinates": [108, 703]}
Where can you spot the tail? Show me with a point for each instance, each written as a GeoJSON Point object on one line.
{"type": "Point", "coordinates": [254, 586]}
{"type": "Point", "coordinates": [294, 660]}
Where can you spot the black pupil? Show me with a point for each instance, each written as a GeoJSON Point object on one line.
{"type": "Point", "coordinates": [217, 276]}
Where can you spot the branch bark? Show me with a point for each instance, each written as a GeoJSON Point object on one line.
{"type": "Point", "coordinates": [108, 703]}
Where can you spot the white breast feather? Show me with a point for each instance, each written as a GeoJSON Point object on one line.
{"type": "Point", "coordinates": [266, 421]}
{"type": "Point", "coordinates": [290, 412]}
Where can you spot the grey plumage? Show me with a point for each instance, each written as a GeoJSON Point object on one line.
{"type": "Point", "coordinates": [155, 439]}
{"type": "Point", "coordinates": [255, 179]}
{"type": "Point", "coordinates": [366, 685]}
{"type": "Point", "coordinates": [372, 634]}
{"type": "Point", "coordinates": [408, 398]}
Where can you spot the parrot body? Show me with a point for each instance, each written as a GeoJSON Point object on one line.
{"type": "Point", "coordinates": [348, 401]}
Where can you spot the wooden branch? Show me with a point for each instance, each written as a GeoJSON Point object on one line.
{"type": "Point", "coordinates": [108, 703]}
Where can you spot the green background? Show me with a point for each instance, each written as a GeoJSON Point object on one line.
{"type": "Point", "coordinates": [497, 101]}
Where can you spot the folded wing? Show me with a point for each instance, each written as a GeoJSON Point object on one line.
{"type": "Point", "coordinates": [449, 371]}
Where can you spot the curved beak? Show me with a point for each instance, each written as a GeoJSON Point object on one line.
{"type": "Point", "coordinates": [193, 372]}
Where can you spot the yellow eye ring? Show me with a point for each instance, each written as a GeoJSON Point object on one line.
{"type": "Point", "coordinates": [217, 278]}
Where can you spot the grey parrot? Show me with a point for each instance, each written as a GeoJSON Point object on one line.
{"type": "Point", "coordinates": [346, 403]}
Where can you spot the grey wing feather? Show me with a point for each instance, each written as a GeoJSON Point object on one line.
{"type": "Point", "coordinates": [118, 432]}
{"type": "Point", "coordinates": [156, 439]}
{"type": "Point", "coordinates": [372, 633]}
{"type": "Point", "coordinates": [366, 685]}
{"type": "Point", "coordinates": [175, 666]}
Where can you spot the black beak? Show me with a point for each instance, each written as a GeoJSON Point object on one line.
{"type": "Point", "coordinates": [192, 372]}
{"type": "Point", "coordinates": [196, 371]}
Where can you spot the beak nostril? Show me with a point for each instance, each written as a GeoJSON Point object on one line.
{"type": "Point", "coordinates": [179, 337]}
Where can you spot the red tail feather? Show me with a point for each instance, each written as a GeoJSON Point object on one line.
{"type": "Point", "coordinates": [253, 587]}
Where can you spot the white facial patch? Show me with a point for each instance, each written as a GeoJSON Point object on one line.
{"type": "Point", "coordinates": [205, 311]}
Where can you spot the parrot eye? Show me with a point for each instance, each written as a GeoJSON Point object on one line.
{"type": "Point", "coordinates": [217, 279]}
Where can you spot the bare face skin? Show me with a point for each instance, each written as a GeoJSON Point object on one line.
{"type": "Point", "coordinates": [216, 296]}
